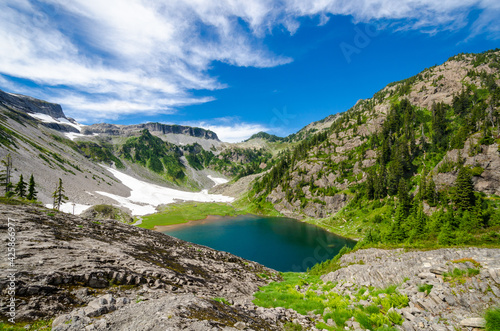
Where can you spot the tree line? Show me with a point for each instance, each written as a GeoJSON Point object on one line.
{"type": "Point", "coordinates": [25, 190]}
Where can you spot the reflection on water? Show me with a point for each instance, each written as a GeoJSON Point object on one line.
{"type": "Point", "coordinates": [280, 243]}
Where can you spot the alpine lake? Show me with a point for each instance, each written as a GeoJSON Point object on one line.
{"type": "Point", "coordinates": [279, 243]}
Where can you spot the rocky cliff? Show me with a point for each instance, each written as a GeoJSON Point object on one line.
{"type": "Point", "coordinates": [154, 128]}
{"type": "Point", "coordinates": [30, 105]}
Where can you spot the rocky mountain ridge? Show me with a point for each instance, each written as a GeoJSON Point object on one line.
{"type": "Point", "coordinates": [30, 105]}
{"type": "Point", "coordinates": [320, 175]}
{"type": "Point", "coordinates": [154, 128]}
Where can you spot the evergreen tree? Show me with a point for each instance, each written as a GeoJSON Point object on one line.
{"type": "Point", "coordinates": [380, 184]}
{"type": "Point", "coordinates": [394, 176]}
{"type": "Point", "coordinates": [59, 196]}
{"type": "Point", "coordinates": [20, 187]}
{"type": "Point", "coordinates": [439, 125]}
{"type": "Point", "coordinates": [431, 193]}
{"type": "Point", "coordinates": [5, 174]}
{"type": "Point", "coordinates": [468, 222]}
{"type": "Point", "coordinates": [420, 222]}
{"type": "Point", "coordinates": [31, 189]}
{"type": "Point", "coordinates": [464, 195]}
{"type": "Point", "coordinates": [403, 198]}
{"type": "Point", "coordinates": [446, 236]}
{"type": "Point", "coordinates": [422, 188]}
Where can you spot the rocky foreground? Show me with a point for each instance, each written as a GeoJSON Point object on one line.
{"type": "Point", "coordinates": [452, 302]}
{"type": "Point", "coordinates": [76, 270]}
{"type": "Point", "coordinates": [106, 275]}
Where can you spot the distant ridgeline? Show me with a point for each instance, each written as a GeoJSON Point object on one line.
{"type": "Point", "coordinates": [418, 162]}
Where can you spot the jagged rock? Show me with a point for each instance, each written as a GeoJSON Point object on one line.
{"type": "Point", "coordinates": [438, 270]}
{"type": "Point", "coordinates": [131, 130]}
{"type": "Point", "coordinates": [100, 259]}
{"type": "Point", "coordinates": [473, 322]}
{"type": "Point", "coordinates": [31, 105]}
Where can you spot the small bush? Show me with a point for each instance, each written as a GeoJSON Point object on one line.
{"type": "Point", "coordinates": [222, 300]}
{"type": "Point", "coordinates": [425, 288]}
{"type": "Point", "coordinates": [395, 317]}
{"type": "Point", "coordinates": [492, 318]}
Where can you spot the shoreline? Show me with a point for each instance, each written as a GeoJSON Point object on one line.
{"type": "Point", "coordinates": [209, 218]}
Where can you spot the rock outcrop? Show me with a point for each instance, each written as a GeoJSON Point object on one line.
{"type": "Point", "coordinates": [77, 269]}
{"type": "Point", "coordinates": [30, 105]}
{"type": "Point", "coordinates": [158, 128]}
{"type": "Point", "coordinates": [451, 301]}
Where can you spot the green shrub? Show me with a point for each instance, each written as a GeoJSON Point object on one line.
{"type": "Point", "coordinates": [222, 300]}
{"type": "Point", "coordinates": [425, 288]}
{"type": "Point", "coordinates": [395, 317]}
{"type": "Point", "coordinates": [379, 319]}
{"type": "Point", "coordinates": [492, 318]}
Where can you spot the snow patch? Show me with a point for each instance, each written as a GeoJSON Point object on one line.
{"type": "Point", "coordinates": [145, 197]}
{"type": "Point", "coordinates": [49, 119]}
{"type": "Point", "coordinates": [67, 207]}
{"type": "Point", "coordinates": [74, 135]}
{"type": "Point", "coordinates": [218, 181]}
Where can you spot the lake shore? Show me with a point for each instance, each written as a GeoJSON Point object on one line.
{"type": "Point", "coordinates": [209, 218]}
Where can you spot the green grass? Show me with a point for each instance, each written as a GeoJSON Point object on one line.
{"type": "Point", "coordinates": [284, 294]}
{"type": "Point", "coordinates": [189, 211]}
{"type": "Point", "coordinates": [340, 307]}
{"type": "Point", "coordinates": [492, 318]}
{"type": "Point", "coordinates": [222, 300]}
{"type": "Point", "coordinates": [21, 326]}
{"type": "Point", "coordinates": [246, 206]}
{"type": "Point", "coordinates": [426, 288]}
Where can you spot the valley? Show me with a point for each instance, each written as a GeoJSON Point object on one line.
{"type": "Point", "coordinates": [411, 174]}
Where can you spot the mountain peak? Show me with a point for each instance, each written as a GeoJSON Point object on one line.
{"type": "Point", "coordinates": [31, 105]}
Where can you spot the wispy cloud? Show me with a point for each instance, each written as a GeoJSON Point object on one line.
{"type": "Point", "coordinates": [103, 59]}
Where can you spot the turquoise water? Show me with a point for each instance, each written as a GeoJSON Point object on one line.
{"type": "Point", "coordinates": [280, 243]}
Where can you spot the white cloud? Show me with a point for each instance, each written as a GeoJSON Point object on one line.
{"type": "Point", "coordinates": [230, 129]}
{"type": "Point", "coordinates": [146, 56]}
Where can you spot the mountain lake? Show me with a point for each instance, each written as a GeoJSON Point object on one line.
{"type": "Point", "coordinates": [279, 243]}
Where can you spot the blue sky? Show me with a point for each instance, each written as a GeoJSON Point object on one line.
{"type": "Point", "coordinates": [236, 67]}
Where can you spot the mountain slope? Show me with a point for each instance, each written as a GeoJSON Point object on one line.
{"type": "Point", "coordinates": [42, 141]}
{"type": "Point", "coordinates": [416, 133]}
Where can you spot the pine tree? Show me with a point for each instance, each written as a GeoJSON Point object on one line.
{"type": "Point", "coordinates": [20, 187]}
{"type": "Point", "coordinates": [59, 196]}
{"type": "Point", "coordinates": [5, 174]}
{"type": "Point", "coordinates": [422, 189]}
{"type": "Point", "coordinates": [31, 189]}
{"type": "Point", "coordinates": [403, 198]}
{"type": "Point", "coordinates": [420, 222]}
{"type": "Point", "coordinates": [464, 195]}
{"type": "Point", "coordinates": [446, 236]}
{"type": "Point", "coordinates": [431, 193]}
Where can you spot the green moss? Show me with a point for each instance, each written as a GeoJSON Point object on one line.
{"type": "Point", "coordinates": [22, 326]}
{"type": "Point", "coordinates": [222, 300]}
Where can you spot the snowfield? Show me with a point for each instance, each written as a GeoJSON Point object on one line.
{"type": "Point", "coordinates": [145, 197]}
{"type": "Point", "coordinates": [218, 181]}
{"type": "Point", "coordinates": [49, 119]}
